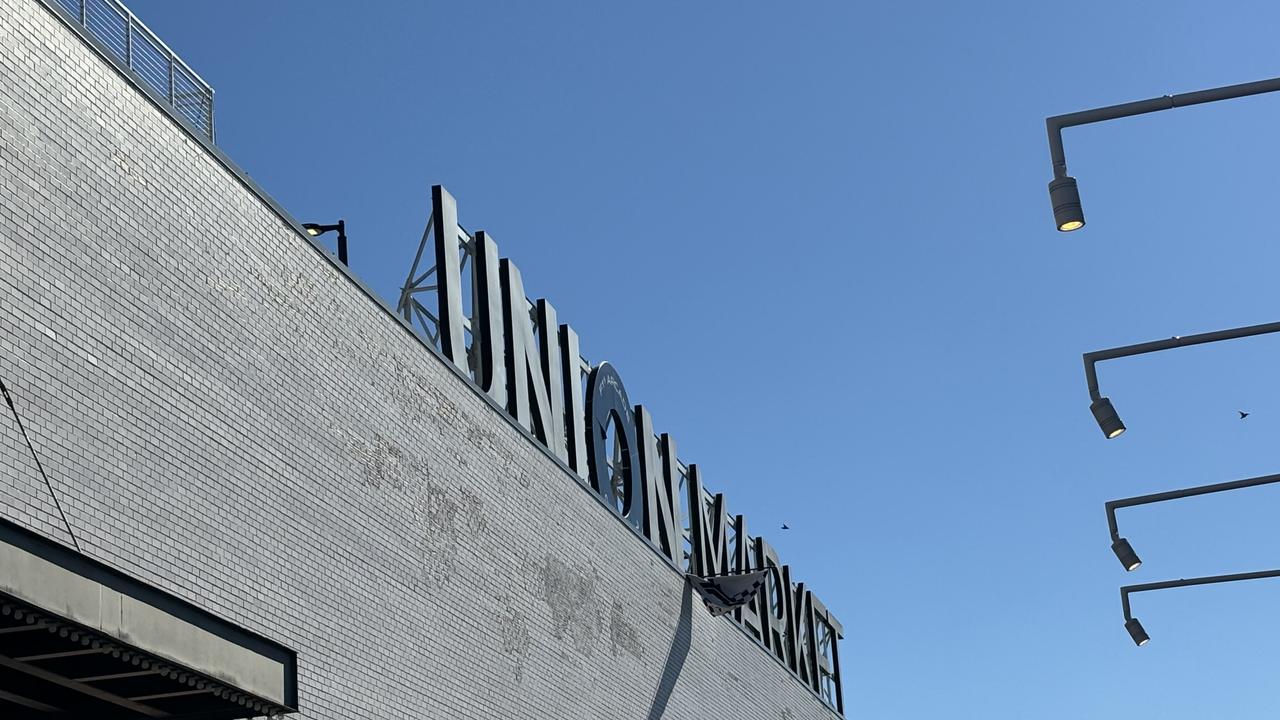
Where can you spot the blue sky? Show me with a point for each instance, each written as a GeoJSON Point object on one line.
{"type": "Point", "coordinates": [815, 239]}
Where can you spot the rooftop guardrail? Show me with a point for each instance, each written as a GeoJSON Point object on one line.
{"type": "Point", "coordinates": [140, 50]}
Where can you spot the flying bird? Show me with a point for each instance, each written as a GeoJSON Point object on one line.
{"type": "Point", "coordinates": [784, 526]}
{"type": "Point", "coordinates": [1243, 414]}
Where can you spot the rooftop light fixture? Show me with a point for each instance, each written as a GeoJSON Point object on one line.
{"type": "Point", "coordinates": [1121, 547]}
{"type": "Point", "coordinates": [315, 230]}
{"type": "Point", "coordinates": [1068, 213]}
{"type": "Point", "coordinates": [1103, 411]}
{"type": "Point", "coordinates": [1135, 628]}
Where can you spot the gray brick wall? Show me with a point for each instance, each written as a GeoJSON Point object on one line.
{"type": "Point", "coordinates": [252, 433]}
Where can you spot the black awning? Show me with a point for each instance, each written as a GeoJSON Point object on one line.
{"type": "Point", "coordinates": [79, 640]}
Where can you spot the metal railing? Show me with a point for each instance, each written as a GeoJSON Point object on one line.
{"type": "Point", "coordinates": [133, 44]}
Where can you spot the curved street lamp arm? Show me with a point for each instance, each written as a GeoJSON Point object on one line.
{"type": "Point", "coordinates": [1187, 582]}
{"type": "Point", "coordinates": [1056, 123]}
{"type": "Point", "coordinates": [1092, 358]}
{"type": "Point", "coordinates": [1113, 505]}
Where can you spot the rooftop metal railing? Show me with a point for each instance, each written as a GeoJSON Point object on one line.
{"type": "Point", "coordinates": [140, 50]}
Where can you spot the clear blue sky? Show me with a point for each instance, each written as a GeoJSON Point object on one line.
{"type": "Point", "coordinates": [816, 241]}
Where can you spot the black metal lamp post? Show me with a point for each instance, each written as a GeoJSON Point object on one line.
{"type": "Point", "coordinates": [1121, 547]}
{"type": "Point", "coordinates": [315, 230]}
{"type": "Point", "coordinates": [1068, 214]}
{"type": "Point", "coordinates": [1138, 633]}
{"type": "Point", "coordinates": [1101, 406]}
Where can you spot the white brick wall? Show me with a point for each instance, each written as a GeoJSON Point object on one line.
{"type": "Point", "coordinates": [250, 431]}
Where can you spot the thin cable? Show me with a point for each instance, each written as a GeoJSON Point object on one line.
{"type": "Point", "coordinates": [39, 466]}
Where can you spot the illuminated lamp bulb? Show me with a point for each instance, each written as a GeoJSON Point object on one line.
{"type": "Point", "coordinates": [1124, 551]}
{"type": "Point", "coordinates": [1136, 632]}
{"type": "Point", "coordinates": [1068, 214]}
{"type": "Point", "coordinates": [1107, 418]}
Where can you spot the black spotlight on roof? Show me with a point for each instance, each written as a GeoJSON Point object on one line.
{"type": "Point", "coordinates": [1067, 211]}
{"type": "Point", "coordinates": [1136, 632]}
{"type": "Point", "coordinates": [314, 229]}
{"type": "Point", "coordinates": [1107, 418]}
{"type": "Point", "coordinates": [1128, 558]}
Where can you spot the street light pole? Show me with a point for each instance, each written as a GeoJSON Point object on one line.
{"type": "Point", "coordinates": [1063, 193]}
{"type": "Point", "coordinates": [1120, 546]}
{"type": "Point", "coordinates": [314, 230]}
{"type": "Point", "coordinates": [1101, 406]}
{"type": "Point", "coordinates": [1135, 628]}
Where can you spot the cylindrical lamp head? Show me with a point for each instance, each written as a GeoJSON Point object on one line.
{"type": "Point", "coordinates": [1136, 632]}
{"type": "Point", "coordinates": [1068, 214]}
{"type": "Point", "coordinates": [1107, 418]}
{"type": "Point", "coordinates": [1128, 558]}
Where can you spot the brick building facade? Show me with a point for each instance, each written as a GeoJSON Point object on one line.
{"type": "Point", "coordinates": [252, 431]}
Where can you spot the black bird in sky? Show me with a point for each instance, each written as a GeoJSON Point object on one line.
{"type": "Point", "coordinates": [784, 526]}
{"type": "Point", "coordinates": [1243, 414]}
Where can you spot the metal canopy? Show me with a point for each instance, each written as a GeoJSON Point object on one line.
{"type": "Point", "coordinates": [132, 653]}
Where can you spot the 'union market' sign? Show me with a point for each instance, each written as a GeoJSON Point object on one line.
{"type": "Point", "coordinates": [530, 365]}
